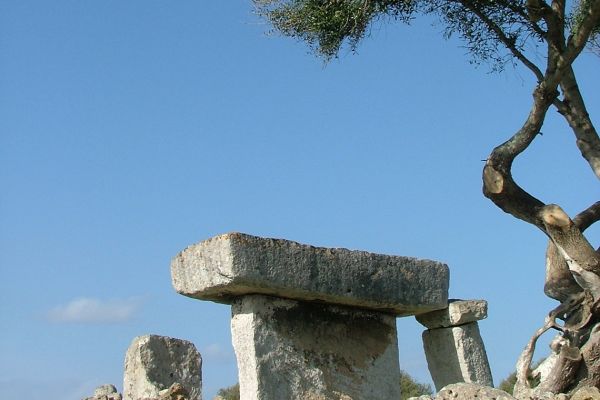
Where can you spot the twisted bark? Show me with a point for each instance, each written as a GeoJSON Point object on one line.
{"type": "Point", "coordinates": [573, 265]}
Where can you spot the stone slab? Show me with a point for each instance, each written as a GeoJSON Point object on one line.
{"type": "Point", "coordinates": [231, 265]}
{"type": "Point", "coordinates": [154, 363]}
{"type": "Point", "coordinates": [307, 351]}
{"type": "Point", "coordinates": [459, 312]}
{"type": "Point", "coordinates": [457, 355]}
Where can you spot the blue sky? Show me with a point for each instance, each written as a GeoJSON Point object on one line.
{"type": "Point", "coordinates": [131, 129]}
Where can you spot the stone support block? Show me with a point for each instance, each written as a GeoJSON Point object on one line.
{"type": "Point", "coordinates": [457, 354]}
{"type": "Point", "coordinates": [294, 350]}
{"type": "Point", "coordinates": [154, 363]}
{"type": "Point", "coordinates": [232, 265]}
{"type": "Point", "coordinates": [459, 312]}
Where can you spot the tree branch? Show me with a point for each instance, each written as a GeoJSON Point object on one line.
{"type": "Point", "coordinates": [505, 40]}
{"type": "Point", "coordinates": [559, 283]}
{"type": "Point", "coordinates": [574, 110]}
{"type": "Point", "coordinates": [589, 374]}
{"type": "Point", "coordinates": [582, 259]}
{"type": "Point", "coordinates": [498, 184]}
{"type": "Point", "coordinates": [588, 217]}
{"type": "Point", "coordinates": [578, 40]}
{"type": "Point", "coordinates": [562, 374]}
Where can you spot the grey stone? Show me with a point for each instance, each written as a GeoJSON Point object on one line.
{"type": "Point", "coordinates": [228, 266]}
{"type": "Point", "coordinates": [175, 392]}
{"type": "Point", "coordinates": [294, 350]}
{"type": "Point", "coordinates": [457, 354]}
{"type": "Point", "coordinates": [154, 363]}
{"type": "Point", "coordinates": [586, 393]}
{"type": "Point", "coordinates": [466, 391]}
{"type": "Point", "coordinates": [459, 312]}
{"type": "Point", "coordinates": [105, 390]}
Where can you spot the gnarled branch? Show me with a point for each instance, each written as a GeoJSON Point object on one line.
{"type": "Point", "coordinates": [559, 282]}
{"type": "Point", "coordinates": [582, 259]}
{"type": "Point", "coordinates": [574, 110]}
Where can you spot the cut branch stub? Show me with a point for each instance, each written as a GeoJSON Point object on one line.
{"type": "Point", "coordinates": [559, 283]}
{"type": "Point", "coordinates": [498, 183]}
{"type": "Point", "coordinates": [499, 187]}
{"type": "Point", "coordinates": [582, 259]}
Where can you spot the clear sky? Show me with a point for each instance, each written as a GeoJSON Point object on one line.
{"type": "Point", "coordinates": [131, 129]}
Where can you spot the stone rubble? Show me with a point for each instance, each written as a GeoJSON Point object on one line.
{"type": "Point", "coordinates": [467, 391]}
{"type": "Point", "coordinates": [470, 391]}
{"type": "Point", "coordinates": [587, 393]}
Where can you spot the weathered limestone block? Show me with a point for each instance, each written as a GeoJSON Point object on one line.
{"type": "Point", "coordinates": [154, 363]}
{"type": "Point", "coordinates": [457, 354]}
{"type": "Point", "coordinates": [295, 350]}
{"type": "Point", "coordinates": [459, 312]}
{"type": "Point", "coordinates": [231, 265]}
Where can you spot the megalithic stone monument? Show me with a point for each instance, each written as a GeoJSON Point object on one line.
{"type": "Point", "coordinates": [311, 323]}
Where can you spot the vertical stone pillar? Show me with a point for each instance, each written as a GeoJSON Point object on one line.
{"type": "Point", "coordinates": [311, 323]}
{"type": "Point", "coordinates": [294, 350]}
{"type": "Point", "coordinates": [154, 363]}
{"type": "Point", "coordinates": [453, 346]}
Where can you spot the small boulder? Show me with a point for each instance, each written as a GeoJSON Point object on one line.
{"type": "Point", "coordinates": [105, 392]}
{"type": "Point", "coordinates": [586, 393]}
{"type": "Point", "coordinates": [463, 391]}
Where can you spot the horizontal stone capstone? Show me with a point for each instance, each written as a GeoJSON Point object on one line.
{"type": "Point", "coordinates": [459, 312]}
{"type": "Point", "coordinates": [225, 267]}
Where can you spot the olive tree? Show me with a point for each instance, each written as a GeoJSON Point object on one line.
{"type": "Point", "coordinates": [501, 33]}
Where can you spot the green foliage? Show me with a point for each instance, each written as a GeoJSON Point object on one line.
{"type": "Point", "coordinates": [326, 24]}
{"type": "Point", "coordinates": [494, 31]}
{"type": "Point", "coordinates": [408, 386]}
{"type": "Point", "coordinates": [230, 393]}
{"type": "Point", "coordinates": [508, 384]}
{"type": "Point", "coordinates": [577, 17]}
{"type": "Point", "coordinates": [411, 388]}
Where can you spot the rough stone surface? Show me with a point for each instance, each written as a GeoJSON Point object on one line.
{"type": "Point", "coordinates": [464, 391]}
{"type": "Point", "coordinates": [457, 355]}
{"type": "Point", "coordinates": [459, 312]}
{"type": "Point", "coordinates": [175, 392]}
{"type": "Point", "coordinates": [105, 392]}
{"type": "Point", "coordinates": [301, 351]}
{"type": "Point", "coordinates": [472, 391]}
{"type": "Point", "coordinates": [227, 266]}
{"type": "Point", "coordinates": [586, 393]}
{"type": "Point", "coordinates": [154, 363]}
